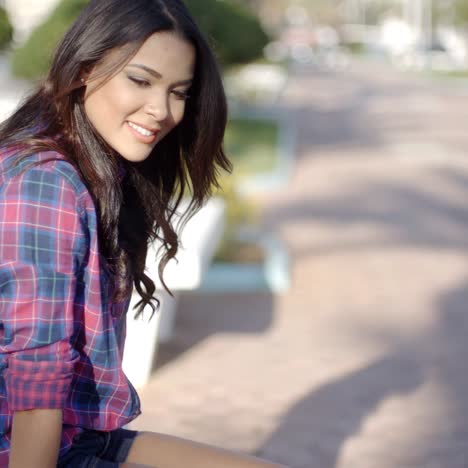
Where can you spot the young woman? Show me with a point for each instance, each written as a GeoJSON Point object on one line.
{"type": "Point", "coordinates": [93, 166]}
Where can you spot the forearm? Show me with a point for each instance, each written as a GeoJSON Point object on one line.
{"type": "Point", "coordinates": [35, 438]}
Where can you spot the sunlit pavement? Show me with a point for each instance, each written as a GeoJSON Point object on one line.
{"type": "Point", "coordinates": [363, 362]}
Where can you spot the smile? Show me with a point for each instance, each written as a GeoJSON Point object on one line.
{"type": "Point", "coordinates": [143, 131]}
{"type": "Point", "coordinates": [142, 134]}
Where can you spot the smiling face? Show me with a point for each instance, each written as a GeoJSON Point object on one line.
{"type": "Point", "coordinates": [145, 100]}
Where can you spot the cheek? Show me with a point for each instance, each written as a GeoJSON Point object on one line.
{"type": "Point", "coordinates": [108, 103]}
{"type": "Point", "coordinates": [178, 112]}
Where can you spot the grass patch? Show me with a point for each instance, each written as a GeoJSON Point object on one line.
{"type": "Point", "coordinates": [443, 74]}
{"type": "Point", "coordinates": [452, 74]}
{"type": "Point", "coordinates": [252, 145]}
{"type": "Point", "coordinates": [239, 252]}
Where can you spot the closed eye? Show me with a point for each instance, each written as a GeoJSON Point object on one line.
{"type": "Point", "coordinates": [140, 82]}
{"type": "Point", "coordinates": [181, 95]}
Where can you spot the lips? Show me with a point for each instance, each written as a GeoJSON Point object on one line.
{"type": "Point", "coordinates": [142, 133]}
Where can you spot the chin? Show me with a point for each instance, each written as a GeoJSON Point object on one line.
{"type": "Point", "coordinates": [135, 159]}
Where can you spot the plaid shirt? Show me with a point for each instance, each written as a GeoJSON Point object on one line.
{"type": "Point", "coordinates": [61, 339]}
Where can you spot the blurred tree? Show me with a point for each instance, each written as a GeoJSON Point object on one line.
{"type": "Point", "coordinates": [235, 32]}
{"type": "Point", "coordinates": [461, 12]}
{"type": "Point", "coordinates": [33, 58]}
{"type": "Point", "coordinates": [274, 12]}
{"type": "Point", "coordinates": [450, 13]}
{"type": "Point", "coordinates": [6, 29]}
{"type": "Point", "coordinates": [376, 10]}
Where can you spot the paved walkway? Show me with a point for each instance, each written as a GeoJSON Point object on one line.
{"type": "Point", "coordinates": [362, 363]}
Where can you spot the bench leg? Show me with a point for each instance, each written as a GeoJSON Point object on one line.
{"type": "Point", "coordinates": [143, 337]}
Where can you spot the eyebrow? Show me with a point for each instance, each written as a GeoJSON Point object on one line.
{"type": "Point", "coordinates": [157, 74]}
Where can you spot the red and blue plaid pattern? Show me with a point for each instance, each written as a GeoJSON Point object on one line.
{"type": "Point", "coordinates": [61, 338]}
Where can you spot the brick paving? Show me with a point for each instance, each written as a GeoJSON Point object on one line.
{"type": "Point", "coordinates": [362, 363]}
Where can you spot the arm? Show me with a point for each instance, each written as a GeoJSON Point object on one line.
{"type": "Point", "coordinates": [42, 242]}
{"type": "Point", "coordinates": [35, 438]}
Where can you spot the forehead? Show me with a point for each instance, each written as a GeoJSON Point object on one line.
{"type": "Point", "coordinates": [169, 54]}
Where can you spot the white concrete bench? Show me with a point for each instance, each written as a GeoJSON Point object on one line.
{"type": "Point", "coordinates": [199, 241]}
{"type": "Point", "coordinates": [7, 106]}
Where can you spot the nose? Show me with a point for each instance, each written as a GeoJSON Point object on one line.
{"type": "Point", "coordinates": [158, 108]}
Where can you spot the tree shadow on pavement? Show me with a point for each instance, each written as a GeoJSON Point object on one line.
{"type": "Point", "coordinates": [448, 348]}
{"type": "Point", "coordinates": [316, 428]}
{"type": "Point", "coordinates": [396, 214]}
{"type": "Point", "coordinates": [391, 214]}
{"type": "Point", "coordinates": [330, 117]}
{"type": "Point", "coordinates": [200, 316]}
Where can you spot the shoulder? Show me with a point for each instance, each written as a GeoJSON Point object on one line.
{"type": "Point", "coordinates": [44, 174]}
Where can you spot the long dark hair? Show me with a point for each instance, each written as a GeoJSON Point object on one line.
{"type": "Point", "coordinates": [144, 206]}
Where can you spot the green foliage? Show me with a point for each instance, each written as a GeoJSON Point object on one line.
{"type": "Point", "coordinates": [461, 12]}
{"type": "Point", "coordinates": [239, 212]}
{"type": "Point", "coordinates": [6, 29]}
{"type": "Point", "coordinates": [33, 59]}
{"type": "Point", "coordinates": [449, 12]}
{"type": "Point", "coordinates": [235, 33]}
{"type": "Point", "coordinates": [252, 145]}
{"type": "Point", "coordinates": [376, 11]}
{"type": "Point", "coordinates": [356, 48]}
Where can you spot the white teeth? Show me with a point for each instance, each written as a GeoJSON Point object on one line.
{"type": "Point", "coordinates": [141, 130]}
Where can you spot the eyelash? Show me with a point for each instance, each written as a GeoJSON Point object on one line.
{"type": "Point", "coordinates": [145, 84]}
{"type": "Point", "coordinates": [180, 95]}
{"type": "Point", "coordinates": [139, 82]}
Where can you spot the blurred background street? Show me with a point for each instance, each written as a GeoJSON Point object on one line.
{"type": "Point", "coordinates": [330, 329]}
{"type": "Point", "coordinates": [362, 362]}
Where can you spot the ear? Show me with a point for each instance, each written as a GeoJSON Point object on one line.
{"type": "Point", "coordinates": [84, 75]}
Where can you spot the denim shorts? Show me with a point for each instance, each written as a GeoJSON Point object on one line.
{"type": "Point", "coordinates": [96, 449]}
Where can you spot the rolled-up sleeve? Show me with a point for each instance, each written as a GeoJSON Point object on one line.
{"type": "Point", "coordinates": [43, 245]}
